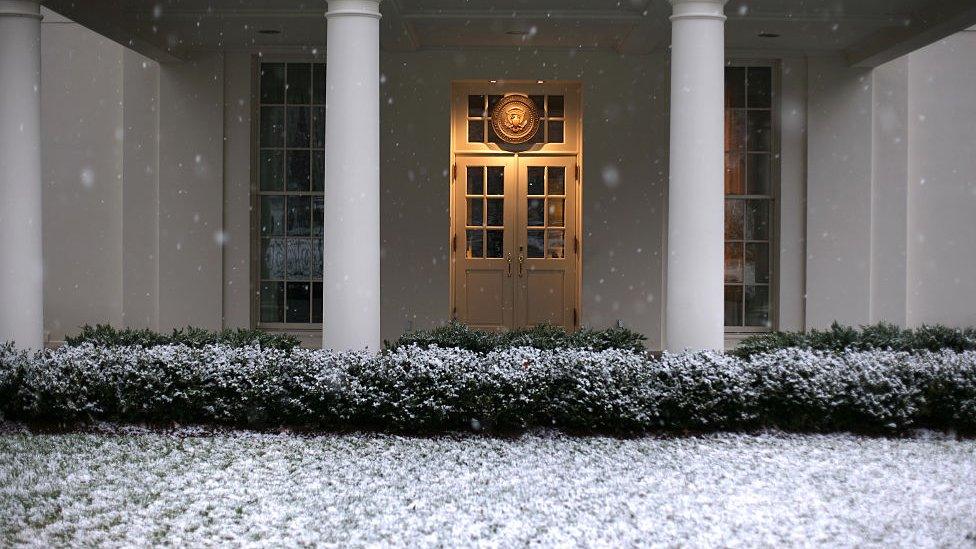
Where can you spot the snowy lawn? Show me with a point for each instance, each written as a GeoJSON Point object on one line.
{"type": "Point", "coordinates": [142, 487]}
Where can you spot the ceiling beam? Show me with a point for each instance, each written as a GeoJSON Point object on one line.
{"type": "Point", "coordinates": [99, 18]}
{"type": "Point", "coordinates": [938, 20]}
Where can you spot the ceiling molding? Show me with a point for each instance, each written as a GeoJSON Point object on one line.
{"type": "Point", "coordinates": [941, 19]}
{"type": "Point", "coordinates": [561, 14]}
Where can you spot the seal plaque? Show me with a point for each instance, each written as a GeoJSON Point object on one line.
{"type": "Point", "coordinates": [515, 119]}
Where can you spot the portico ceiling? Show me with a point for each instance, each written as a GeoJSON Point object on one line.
{"type": "Point", "coordinates": [869, 32]}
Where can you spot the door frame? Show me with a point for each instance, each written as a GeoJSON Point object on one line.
{"type": "Point", "coordinates": [571, 147]}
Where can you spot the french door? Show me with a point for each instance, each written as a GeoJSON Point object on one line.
{"type": "Point", "coordinates": [515, 241]}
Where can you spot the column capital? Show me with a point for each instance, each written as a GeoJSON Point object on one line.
{"type": "Point", "coordinates": [20, 8]}
{"type": "Point", "coordinates": [347, 8]}
{"type": "Point", "coordinates": [698, 9]}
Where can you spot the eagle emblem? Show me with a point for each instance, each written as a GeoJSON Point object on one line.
{"type": "Point", "coordinates": [515, 119]}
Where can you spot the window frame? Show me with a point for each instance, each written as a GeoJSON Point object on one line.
{"type": "Point", "coordinates": [775, 179]}
{"type": "Point", "coordinates": [256, 193]}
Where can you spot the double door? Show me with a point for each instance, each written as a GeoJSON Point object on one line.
{"type": "Point", "coordinates": [516, 245]}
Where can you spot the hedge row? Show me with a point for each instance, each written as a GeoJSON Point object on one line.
{"type": "Point", "coordinates": [457, 335]}
{"type": "Point", "coordinates": [106, 335]}
{"type": "Point", "coordinates": [882, 336]}
{"type": "Point", "coordinates": [424, 390]}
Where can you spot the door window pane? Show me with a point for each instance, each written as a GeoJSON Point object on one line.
{"type": "Point", "coordinates": [273, 83]}
{"type": "Point", "coordinates": [759, 173]}
{"type": "Point", "coordinates": [299, 258]}
{"type": "Point", "coordinates": [496, 180]}
{"type": "Point", "coordinates": [757, 306]}
{"type": "Point", "coordinates": [759, 124]}
{"type": "Point", "coordinates": [757, 220]}
{"type": "Point", "coordinates": [556, 103]}
{"type": "Point", "coordinates": [733, 262]}
{"type": "Point", "coordinates": [299, 215]}
{"type": "Point", "coordinates": [476, 212]}
{"type": "Point", "coordinates": [760, 87]}
{"type": "Point", "coordinates": [298, 174]}
{"type": "Point", "coordinates": [555, 131]}
{"type": "Point", "coordinates": [272, 301]}
{"type": "Point", "coordinates": [756, 266]}
{"type": "Point", "coordinates": [536, 183]}
{"type": "Point", "coordinates": [272, 170]}
{"type": "Point", "coordinates": [734, 212]}
{"type": "Point", "coordinates": [476, 131]}
{"type": "Point", "coordinates": [318, 215]}
{"type": "Point", "coordinates": [299, 84]}
{"type": "Point", "coordinates": [496, 212]}
{"type": "Point", "coordinates": [272, 215]}
{"type": "Point", "coordinates": [317, 302]}
{"type": "Point", "coordinates": [476, 105]}
{"type": "Point", "coordinates": [318, 84]}
{"type": "Point", "coordinates": [475, 243]}
{"type": "Point", "coordinates": [536, 244]}
{"type": "Point", "coordinates": [317, 265]}
{"type": "Point", "coordinates": [476, 180]}
{"type": "Point", "coordinates": [299, 302]}
{"type": "Point", "coordinates": [556, 212]}
{"type": "Point", "coordinates": [298, 127]}
{"type": "Point", "coordinates": [735, 130]}
{"type": "Point", "coordinates": [272, 126]}
{"type": "Point", "coordinates": [733, 305]}
{"type": "Point", "coordinates": [318, 171]}
{"type": "Point", "coordinates": [557, 180]}
{"type": "Point", "coordinates": [735, 87]}
{"type": "Point", "coordinates": [735, 173]}
{"type": "Point", "coordinates": [496, 243]}
{"type": "Point", "coordinates": [556, 244]}
{"type": "Point", "coordinates": [536, 212]}
{"type": "Point", "coordinates": [273, 258]}
{"type": "Point", "coordinates": [318, 128]}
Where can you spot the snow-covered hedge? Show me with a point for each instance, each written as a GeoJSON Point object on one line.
{"type": "Point", "coordinates": [414, 389]}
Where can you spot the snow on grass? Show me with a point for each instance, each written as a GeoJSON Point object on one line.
{"type": "Point", "coordinates": [150, 487]}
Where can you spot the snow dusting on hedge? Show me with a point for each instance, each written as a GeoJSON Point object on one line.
{"type": "Point", "coordinates": [415, 389]}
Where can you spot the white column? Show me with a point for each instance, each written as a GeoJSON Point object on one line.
{"type": "Point", "coordinates": [351, 283]}
{"type": "Point", "coordinates": [696, 211]}
{"type": "Point", "coordinates": [21, 261]}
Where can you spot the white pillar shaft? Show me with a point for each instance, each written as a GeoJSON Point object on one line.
{"type": "Point", "coordinates": [351, 282]}
{"type": "Point", "coordinates": [696, 210]}
{"type": "Point", "coordinates": [21, 261]}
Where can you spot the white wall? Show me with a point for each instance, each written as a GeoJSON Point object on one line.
{"type": "Point", "coordinates": [82, 131]}
{"type": "Point", "coordinates": [942, 182]}
{"type": "Point", "coordinates": [838, 193]}
{"type": "Point", "coordinates": [191, 193]}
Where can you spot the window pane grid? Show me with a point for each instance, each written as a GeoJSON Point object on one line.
{"type": "Point", "coordinates": [546, 212]}
{"type": "Point", "coordinates": [290, 192]}
{"type": "Point", "coordinates": [748, 189]}
{"type": "Point", "coordinates": [551, 121]}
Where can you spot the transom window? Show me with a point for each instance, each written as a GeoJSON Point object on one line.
{"type": "Point", "coordinates": [291, 140]}
{"type": "Point", "coordinates": [551, 129]}
{"type": "Point", "coordinates": [749, 152]}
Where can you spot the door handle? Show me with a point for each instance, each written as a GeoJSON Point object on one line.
{"type": "Point", "coordinates": [521, 260]}
{"type": "Point", "coordinates": [510, 264]}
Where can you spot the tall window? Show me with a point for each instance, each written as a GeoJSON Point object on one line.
{"type": "Point", "coordinates": [291, 139]}
{"type": "Point", "coordinates": [749, 151]}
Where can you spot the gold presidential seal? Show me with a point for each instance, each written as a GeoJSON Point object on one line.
{"type": "Point", "coordinates": [515, 119]}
